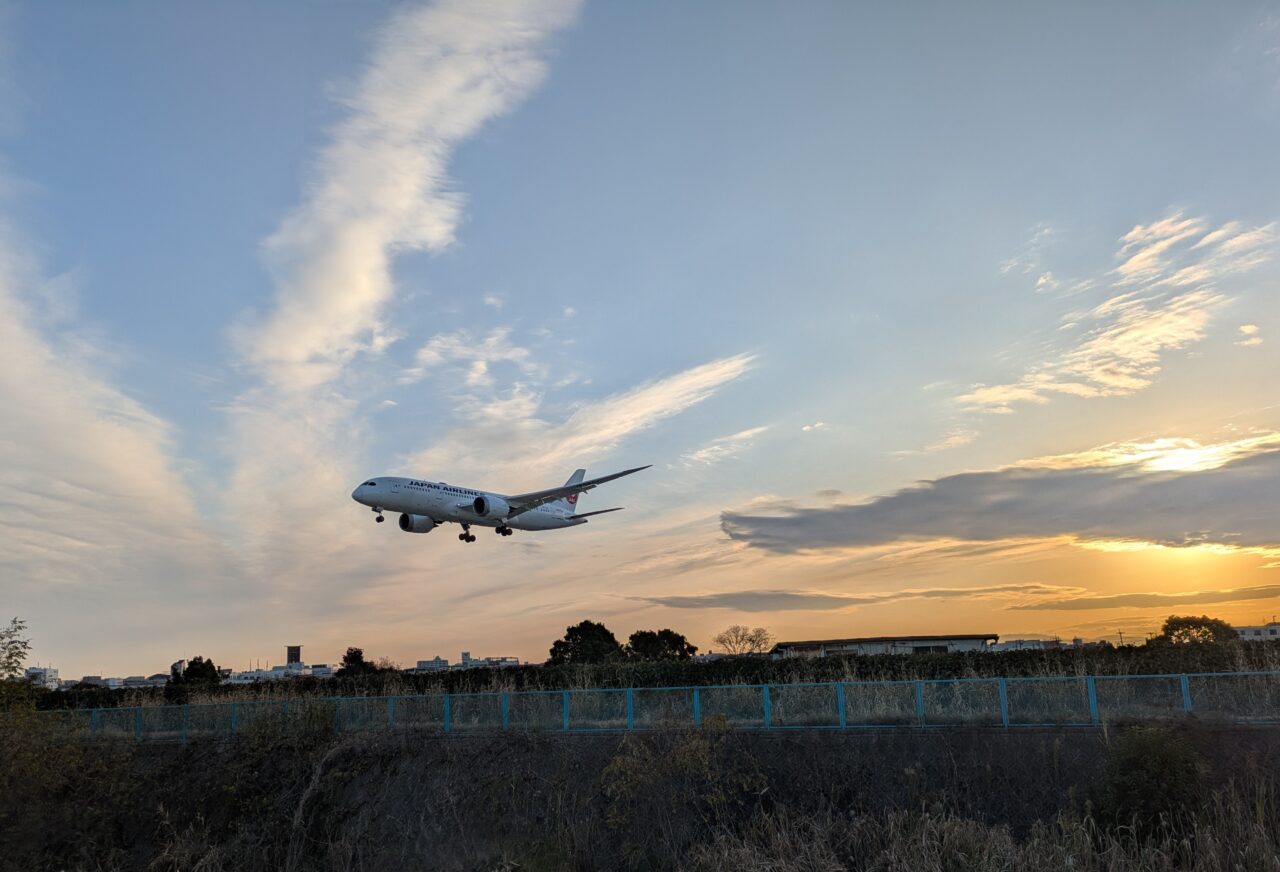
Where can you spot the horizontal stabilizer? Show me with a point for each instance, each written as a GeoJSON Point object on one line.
{"type": "Point", "coordinates": [600, 512]}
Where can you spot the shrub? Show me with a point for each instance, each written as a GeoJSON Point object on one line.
{"type": "Point", "coordinates": [1151, 780]}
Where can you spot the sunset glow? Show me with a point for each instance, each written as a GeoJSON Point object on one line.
{"type": "Point", "coordinates": [914, 344]}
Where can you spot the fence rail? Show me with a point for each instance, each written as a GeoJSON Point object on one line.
{"type": "Point", "coordinates": [1011, 703]}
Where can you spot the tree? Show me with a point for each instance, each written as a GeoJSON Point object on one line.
{"type": "Point", "coordinates": [659, 645]}
{"type": "Point", "coordinates": [740, 640]}
{"type": "Point", "coordinates": [198, 671]}
{"type": "Point", "coordinates": [1185, 629]}
{"type": "Point", "coordinates": [587, 642]}
{"type": "Point", "coordinates": [353, 663]}
{"type": "Point", "coordinates": [13, 649]}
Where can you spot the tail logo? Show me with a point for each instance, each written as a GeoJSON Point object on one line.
{"type": "Point", "coordinates": [572, 499]}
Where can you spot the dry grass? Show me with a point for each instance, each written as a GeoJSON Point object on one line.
{"type": "Point", "coordinates": [1236, 832]}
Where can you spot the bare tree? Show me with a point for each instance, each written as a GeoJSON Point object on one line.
{"type": "Point", "coordinates": [13, 649]}
{"type": "Point", "coordinates": [742, 640]}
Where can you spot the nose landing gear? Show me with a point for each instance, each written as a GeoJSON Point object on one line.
{"type": "Point", "coordinates": [379, 517]}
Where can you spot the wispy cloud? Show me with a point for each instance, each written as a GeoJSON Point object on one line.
{"type": "Point", "coordinates": [1154, 309]}
{"type": "Point", "coordinates": [514, 435]}
{"type": "Point", "coordinates": [1154, 600]}
{"type": "Point", "coordinates": [1029, 257]}
{"type": "Point", "coordinates": [94, 507]}
{"type": "Point", "coordinates": [954, 439]}
{"type": "Point", "coordinates": [478, 354]}
{"type": "Point", "coordinates": [723, 448]}
{"type": "Point", "coordinates": [438, 74]}
{"type": "Point", "coordinates": [1162, 455]}
{"type": "Point", "coordinates": [380, 187]}
{"type": "Point", "coordinates": [1229, 505]}
{"type": "Point", "coordinates": [1249, 335]}
{"type": "Point", "coordinates": [800, 600]}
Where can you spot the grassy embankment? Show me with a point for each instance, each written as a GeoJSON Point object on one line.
{"type": "Point", "coordinates": [708, 800]}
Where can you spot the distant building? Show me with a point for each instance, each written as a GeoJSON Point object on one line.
{"type": "Point", "coordinates": [885, 645]}
{"type": "Point", "coordinates": [469, 662]}
{"type": "Point", "coordinates": [1027, 645]}
{"type": "Point", "coordinates": [435, 664]}
{"type": "Point", "coordinates": [275, 673]}
{"type": "Point", "coordinates": [1259, 634]}
{"type": "Point", "coordinates": [321, 670]}
{"type": "Point", "coordinates": [293, 654]}
{"type": "Point", "coordinates": [43, 676]}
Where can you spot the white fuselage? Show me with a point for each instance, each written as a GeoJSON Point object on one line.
{"type": "Point", "coordinates": [444, 503]}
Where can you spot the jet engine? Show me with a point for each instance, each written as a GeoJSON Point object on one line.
{"type": "Point", "coordinates": [416, 524]}
{"type": "Point", "coordinates": [491, 507]}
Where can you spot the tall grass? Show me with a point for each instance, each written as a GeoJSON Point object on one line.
{"type": "Point", "coordinates": [701, 800]}
{"type": "Point", "coordinates": [1235, 832]}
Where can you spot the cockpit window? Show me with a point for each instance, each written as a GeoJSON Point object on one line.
{"type": "Point", "coordinates": [370, 484]}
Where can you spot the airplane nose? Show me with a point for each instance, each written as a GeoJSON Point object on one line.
{"type": "Point", "coordinates": [355, 494]}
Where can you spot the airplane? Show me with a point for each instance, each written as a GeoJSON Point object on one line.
{"type": "Point", "coordinates": [425, 505]}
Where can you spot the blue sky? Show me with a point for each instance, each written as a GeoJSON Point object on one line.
{"type": "Point", "coordinates": [799, 258]}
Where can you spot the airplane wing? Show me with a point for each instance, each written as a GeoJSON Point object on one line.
{"type": "Point", "coordinates": [521, 503]}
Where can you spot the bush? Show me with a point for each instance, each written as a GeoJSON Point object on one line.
{"type": "Point", "coordinates": [1151, 778]}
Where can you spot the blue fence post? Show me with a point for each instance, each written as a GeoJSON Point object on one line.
{"type": "Point", "coordinates": [448, 720]}
{"type": "Point", "coordinates": [93, 722]}
{"type": "Point", "coordinates": [1186, 693]}
{"type": "Point", "coordinates": [233, 719]}
{"type": "Point", "coordinates": [920, 703]}
{"type": "Point", "coordinates": [631, 708]}
{"type": "Point", "coordinates": [506, 710]}
{"type": "Point", "coordinates": [565, 712]}
{"type": "Point", "coordinates": [1004, 702]}
{"type": "Point", "coordinates": [137, 723]}
{"type": "Point", "coordinates": [768, 709]}
{"type": "Point", "coordinates": [391, 711]}
{"type": "Point", "coordinates": [840, 702]}
{"type": "Point", "coordinates": [1092, 684]}
{"type": "Point", "coordinates": [697, 708]}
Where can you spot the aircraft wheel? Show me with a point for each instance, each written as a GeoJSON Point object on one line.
{"type": "Point", "coordinates": [379, 519]}
{"type": "Point", "coordinates": [462, 537]}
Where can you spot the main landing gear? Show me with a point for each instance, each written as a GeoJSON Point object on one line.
{"type": "Point", "coordinates": [378, 512]}
{"type": "Point", "coordinates": [503, 530]}
{"type": "Point", "coordinates": [465, 535]}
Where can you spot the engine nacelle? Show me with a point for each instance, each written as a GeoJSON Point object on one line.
{"type": "Point", "coordinates": [416, 524]}
{"type": "Point", "coordinates": [491, 507]}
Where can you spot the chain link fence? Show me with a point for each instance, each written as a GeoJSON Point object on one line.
{"type": "Point", "coordinates": [1067, 701]}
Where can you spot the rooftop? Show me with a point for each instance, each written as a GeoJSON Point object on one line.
{"type": "Point", "coordinates": [880, 640]}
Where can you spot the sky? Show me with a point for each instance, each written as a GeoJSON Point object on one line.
{"type": "Point", "coordinates": [931, 318]}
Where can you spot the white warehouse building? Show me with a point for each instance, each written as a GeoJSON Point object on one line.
{"type": "Point", "coordinates": [885, 645]}
{"type": "Point", "coordinates": [1259, 634]}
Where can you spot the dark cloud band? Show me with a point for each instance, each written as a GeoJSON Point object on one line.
{"type": "Point", "coordinates": [1235, 504]}
{"type": "Point", "coordinates": [787, 600]}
